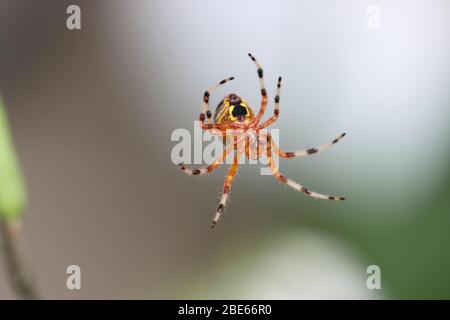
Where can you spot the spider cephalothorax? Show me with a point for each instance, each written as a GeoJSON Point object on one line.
{"type": "Point", "coordinates": [231, 109]}
{"type": "Point", "coordinates": [234, 114]}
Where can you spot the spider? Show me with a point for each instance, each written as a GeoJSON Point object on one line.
{"type": "Point", "coordinates": [233, 113]}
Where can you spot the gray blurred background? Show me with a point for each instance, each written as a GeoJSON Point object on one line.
{"type": "Point", "coordinates": [92, 112]}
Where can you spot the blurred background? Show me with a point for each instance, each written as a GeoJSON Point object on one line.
{"type": "Point", "coordinates": [92, 112]}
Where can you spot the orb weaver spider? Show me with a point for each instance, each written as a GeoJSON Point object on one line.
{"type": "Point", "coordinates": [233, 113]}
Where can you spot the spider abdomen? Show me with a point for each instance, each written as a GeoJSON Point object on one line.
{"type": "Point", "coordinates": [233, 109]}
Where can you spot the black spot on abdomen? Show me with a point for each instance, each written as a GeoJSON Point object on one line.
{"type": "Point", "coordinates": [239, 110]}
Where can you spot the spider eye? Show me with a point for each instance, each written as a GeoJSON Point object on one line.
{"type": "Point", "coordinates": [234, 98]}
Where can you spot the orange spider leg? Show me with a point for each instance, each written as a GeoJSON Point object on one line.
{"type": "Point", "coordinates": [227, 186]}
{"type": "Point", "coordinates": [263, 91]}
{"type": "Point", "coordinates": [221, 126]}
{"type": "Point", "coordinates": [216, 132]}
{"type": "Point", "coordinates": [260, 150]}
{"type": "Point", "coordinates": [205, 170]}
{"type": "Point", "coordinates": [291, 183]}
{"type": "Point", "coordinates": [261, 141]}
{"type": "Point", "coordinates": [253, 151]}
{"type": "Point", "coordinates": [247, 147]}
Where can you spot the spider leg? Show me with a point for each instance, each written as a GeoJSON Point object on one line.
{"type": "Point", "coordinates": [207, 169]}
{"type": "Point", "coordinates": [226, 187]}
{"type": "Point", "coordinates": [220, 126]}
{"type": "Point", "coordinates": [253, 148]}
{"type": "Point", "coordinates": [308, 152]}
{"type": "Point", "coordinates": [247, 147]}
{"type": "Point", "coordinates": [276, 110]}
{"type": "Point", "coordinates": [291, 183]}
{"type": "Point", "coordinates": [216, 132]}
{"type": "Point", "coordinates": [263, 90]}
{"type": "Point", "coordinates": [206, 112]}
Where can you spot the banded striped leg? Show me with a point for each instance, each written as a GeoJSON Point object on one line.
{"type": "Point", "coordinates": [206, 112]}
{"type": "Point", "coordinates": [226, 188]}
{"type": "Point", "coordinates": [205, 170]}
{"type": "Point", "coordinates": [307, 152]}
{"type": "Point", "coordinates": [276, 110]}
{"type": "Point", "coordinates": [263, 90]}
{"type": "Point", "coordinates": [291, 183]}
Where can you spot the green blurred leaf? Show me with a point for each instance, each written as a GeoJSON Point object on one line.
{"type": "Point", "coordinates": [12, 190]}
